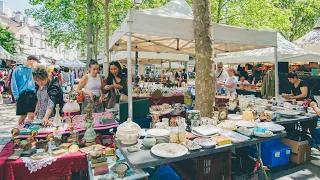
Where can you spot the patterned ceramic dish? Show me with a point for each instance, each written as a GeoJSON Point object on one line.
{"type": "Point", "coordinates": [206, 142]}
{"type": "Point", "coordinates": [169, 150]}
{"type": "Point", "coordinates": [247, 124]}
{"type": "Point", "coordinates": [158, 132]}
{"type": "Point", "coordinates": [271, 126]}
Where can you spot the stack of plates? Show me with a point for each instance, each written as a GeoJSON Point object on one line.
{"type": "Point", "coordinates": [289, 114]}
{"type": "Point", "coordinates": [161, 135]}
{"type": "Point", "coordinates": [206, 130]}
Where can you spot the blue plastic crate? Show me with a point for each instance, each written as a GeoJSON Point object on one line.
{"type": "Point", "coordinates": [270, 143]}
{"type": "Point", "coordinates": [276, 156]}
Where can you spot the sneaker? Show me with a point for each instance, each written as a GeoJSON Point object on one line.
{"type": "Point", "coordinates": [315, 162]}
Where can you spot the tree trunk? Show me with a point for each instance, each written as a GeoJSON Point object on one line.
{"type": "Point", "coordinates": [89, 30]}
{"type": "Point", "coordinates": [96, 41]}
{"type": "Point", "coordinates": [107, 22]}
{"type": "Point", "coordinates": [205, 83]}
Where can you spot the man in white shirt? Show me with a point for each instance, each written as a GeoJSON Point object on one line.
{"type": "Point", "coordinates": [221, 76]}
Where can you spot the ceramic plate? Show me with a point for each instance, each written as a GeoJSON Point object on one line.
{"type": "Point", "coordinates": [198, 135]}
{"type": "Point", "coordinates": [234, 136]}
{"type": "Point", "coordinates": [234, 117]}
{"type": "Point", "coordinates": [271, 126]}
{"type": "Point", "coordinates": [287, 113]}
{"type": "Point", "coordinates": [158, 132]}
{"type": "Point", "coordinates": [192, 145]}
{"type": "Point", "coordinates": [206, 142]}
{"type": "Point", "coordinates": [227, 125]}
{"type": "Point", "coordinates": [169, 150]}
{"type": "Point", "coordinates": [206, 130]}
{"type": "Point", "coordinates": [268, 134]}
{"type": "Point", "coordinates": [247, 124]}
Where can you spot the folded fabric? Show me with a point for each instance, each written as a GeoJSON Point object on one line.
{"type": "Point", "coordinates": [101, 170]}
{"type": "Point", "coordinates": [4, 154]}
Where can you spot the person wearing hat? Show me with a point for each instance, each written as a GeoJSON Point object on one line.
{"type": "Point", "coordinates": [23, 89]}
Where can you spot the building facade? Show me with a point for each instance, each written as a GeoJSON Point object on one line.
{"type": "Point", "coordinates": [32, 39]}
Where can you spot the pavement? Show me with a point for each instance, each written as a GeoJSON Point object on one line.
{"type": "Point", "coordinates": [8, 119]}
{"type": "Point", "coordinates": [306, 171]}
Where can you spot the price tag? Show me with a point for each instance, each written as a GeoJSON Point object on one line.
{"type": "Point", "coordinates": [277, 154]}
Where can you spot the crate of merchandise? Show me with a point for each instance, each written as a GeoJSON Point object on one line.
{"type": "Point", "coordinates": [211, 167]}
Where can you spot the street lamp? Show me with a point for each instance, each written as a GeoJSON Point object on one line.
{"type": "Point", "coordinates": [136, 3]}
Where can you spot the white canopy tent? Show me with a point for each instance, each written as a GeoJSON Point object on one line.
{"type": "Point", "coordinates": [151, 57]}
{"type": "Point", "coordinates": [311, 41]}
{"type": "Point", "coordinates": [287, 52]}
{"type": "Point", "coordinates": [169, 29]}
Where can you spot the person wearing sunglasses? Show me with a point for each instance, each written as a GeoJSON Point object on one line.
{"type": "Point", "coordinates": [23, 89]}
{"type": "Point", "coordinates": [221, 76]}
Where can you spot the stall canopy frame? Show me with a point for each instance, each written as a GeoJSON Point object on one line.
{"type": "Point", "coordinates": [311, 41]}
{"type": "Point", "coordinates": [169, 29]}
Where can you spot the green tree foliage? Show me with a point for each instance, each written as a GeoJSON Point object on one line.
{"type": "Point", "coordinates": [303, 16]}
{"type": "Point", "coordinates": [7, 41]}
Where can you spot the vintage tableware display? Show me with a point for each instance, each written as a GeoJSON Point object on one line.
{"type": "Point", "coordinates": [169, 150]}
{"type": "Point", "coordinates": [221, 113]}
{"type": "Point", "coordinates": [188, 99]}
{"type": "Point", "coordinates": [155, 119]}
{"type": "Point", "coordinates": [158, 132]}
{"type": "Point", "coordinates": [262, 132]}
{"type": "Point", "coordinates": [192, 115]}
{"type": "Point", "coordinates": [174, 135]}
{"type": "Point", "coordinates": [259, 109]}
{"type": "Point", "coordinates": [221, 101]}
{"type": "Point", "coordinates": [166, 121]}
{"type": "Point", "coordinates": [206, 142]}
{"type": "Point", "coordinates": [149, 141]}
{"type": "Point", "coordinates": [161, 135]}
{"type": "Point", "coordinates": [234, 136]}
{"type": "Point", "coordinates": [222, 140]}
{"type": "Point", "coordinates": [120, 169]}
{"type": "Point", "coordinates": [227, 125]}
{"type": "Point", "coordinates": [247, 116]}
{"type": "Point", "coordinates": [128, 132]}
{"type": "Point", "coordinates": [247, 124]}
{"type": "Point", "coordinates": [288, 113]}
{"type": "Point", "coordinates": [245, 131]}
{"type": "Point", "coordinates": [192, 145]}
{"type": "Point", "coordinates": [39, 156]}
{"type": "Point", "coordinates": [160, 125]}
{"type": "Point", "coordinates": [270, 115]}
{"type": "Point", "coordinates": [206, 130]}
{"type": "Point", "coordinates": [271, 126]}
{"type": "Point", "coordinates": [234, 117]}
{"type": "Point", "coordinates": [133, 149]}
{"type": "Point", "coordinates": [177, 109]}
{"type": "Point", "coordinates": [160, 109]}
{"type": "Point", "coordinates": [182, 136]}
{"type": "Point", "coordinates": [195, 123]}
{"type": "Point", "coordinates": [208, 121]}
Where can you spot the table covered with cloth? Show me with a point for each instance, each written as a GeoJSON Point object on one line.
{"type": "Point", "coordinates": [63, 166]}
{"type": "Point", "coordinates": [169, 100]}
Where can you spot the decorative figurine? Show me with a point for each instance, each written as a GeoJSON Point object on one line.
{"type": "Point", "coordinates": [15, 132]}
{"type": "Point", "coordinates": [57, 118]}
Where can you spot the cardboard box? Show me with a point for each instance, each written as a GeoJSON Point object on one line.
{"type": "Point", "coordinates": [301, 151]}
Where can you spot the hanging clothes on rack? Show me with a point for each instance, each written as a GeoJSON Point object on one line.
{"type": "Point", "coordinates": [268, 84]}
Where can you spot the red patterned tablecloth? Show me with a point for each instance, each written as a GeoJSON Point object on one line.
{"type": "Point", "coordinates": [169, 100]}
{"type": "Point", "coordinates": [78, 121]}
{"type": "Point", "coordinates": [64, 166]}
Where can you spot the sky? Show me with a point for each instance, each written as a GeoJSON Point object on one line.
{"type": "Point", "coordinates": [18, 5]}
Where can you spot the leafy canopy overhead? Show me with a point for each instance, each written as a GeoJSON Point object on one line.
{"type": "Point", "coordinates": [66, 20]}
{"type": "Point", "coordinates": [7, 41]}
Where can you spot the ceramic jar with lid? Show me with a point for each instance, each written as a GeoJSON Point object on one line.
{"type": "Point", "coordinates": [128, 132]}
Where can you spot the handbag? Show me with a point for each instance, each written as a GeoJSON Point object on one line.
{"type": "Point", "coordinates": [80, 97]}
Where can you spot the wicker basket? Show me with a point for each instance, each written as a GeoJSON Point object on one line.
{"type": "Point", "coordinates": [212, 167]}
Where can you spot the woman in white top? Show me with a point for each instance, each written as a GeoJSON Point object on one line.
{"type": "Point", "coordinates": [230, 84]}
{"type": "Point", "coordinates": [90, 86]}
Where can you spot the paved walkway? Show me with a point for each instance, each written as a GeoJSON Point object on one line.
{"type": "Point", "coordinates": [8, 119]}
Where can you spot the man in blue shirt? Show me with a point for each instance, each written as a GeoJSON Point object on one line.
{"type": "Point", "coordinates": [23, 89]}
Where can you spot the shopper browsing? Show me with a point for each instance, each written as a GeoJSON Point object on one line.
{"type": "Point", "coordinates": [230, 84]}
{"type": "Point", "coordinates": [23, 89]}
{"type": "Point", "coordinates": [49, 94]}
{"type": "Point", "coordinates": [90, 86]}
{"type": "Point", "coordinates": [116, 82]}
{"type": "Point", "coordinates": [221, 76]}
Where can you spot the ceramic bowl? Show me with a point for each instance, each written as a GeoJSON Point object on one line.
{"type": "Point", "coordinates": [128, 132]}
{"type": "Point", "coordinates": [149, 141]}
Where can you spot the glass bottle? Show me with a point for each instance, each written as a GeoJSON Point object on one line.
{"type": "Point", "coordinates": [57, 118]}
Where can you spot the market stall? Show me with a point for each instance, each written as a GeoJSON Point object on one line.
{"type": "Point", "coordinates": [287, 52]}
{"type": "Point", "coordinates": [155, 30]}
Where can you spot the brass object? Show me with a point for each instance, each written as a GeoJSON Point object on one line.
{"type": "Point", "coordinates": [109, 152]}
{"type": "Point", "coordinates": [15, 132]}
{"type": "Point", "coordinates": [25, 145]}
{"type": "Point", "coordinates": [73, 148]}
{"type": "Point", "coordinates": [32, 136]}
